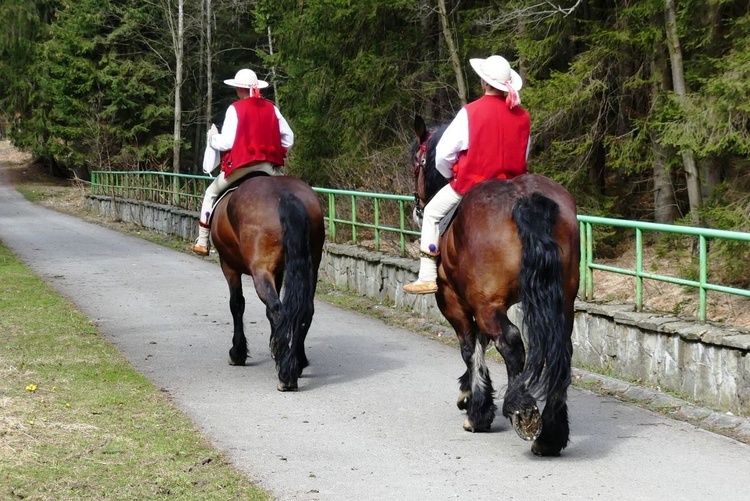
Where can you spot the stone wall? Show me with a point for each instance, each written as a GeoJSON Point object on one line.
{"type": "Point", "coordinates": [703, 361]}
{"type": "Point", "coordinates": [164, 219]}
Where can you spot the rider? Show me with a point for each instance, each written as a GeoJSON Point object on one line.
{"type": "Point", "coordinates": [488, 139]}
{"type": "Point", "coordinates": [255, 136]}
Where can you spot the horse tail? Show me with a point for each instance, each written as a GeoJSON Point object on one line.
{"type": "Point", "coordinates": [547, 369]}
{"type": "Point", "coordinates": [297, 305]}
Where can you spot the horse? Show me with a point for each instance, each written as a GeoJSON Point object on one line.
{"type": "Point", "coordinates": [271, 228]}
{"type": "Point", "coordinates": [510, 241]}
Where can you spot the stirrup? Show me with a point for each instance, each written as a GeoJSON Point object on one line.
{"type": "Point", "coordinates": [431, 255]}
{"type": "Point", "coordinates": [420, 287]}
{"type": "Point", "coordinates": [201, 250]}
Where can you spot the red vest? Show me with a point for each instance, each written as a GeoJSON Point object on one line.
{"type": "Point", "coordinates": [257, 138]}
{"type": "Point", "coordinates": [498, 139]}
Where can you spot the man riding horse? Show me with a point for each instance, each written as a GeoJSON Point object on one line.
{"type": "Point", "coordinates": [256, 138]}
{"type": "Point", "coordinates": [488, 139]}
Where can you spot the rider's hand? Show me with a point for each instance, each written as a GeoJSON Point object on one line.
{"type": "Point", "coordinates": [212, 132]}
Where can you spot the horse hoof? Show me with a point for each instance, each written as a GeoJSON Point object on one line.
{"type": "Point", "coordinates": [469, 426]}
{"type": "Point", "coordinates": [236, 362]}
{"type": "Point", "coordinates": [286, 386]}
{"type": "Point", "coordinates": [463, 400]}
{"type": "Point", "coordinates": [527, 423]}
{"type": "Point", "coordinates": [542, 450]}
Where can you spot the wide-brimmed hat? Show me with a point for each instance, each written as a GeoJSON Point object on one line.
{"type": "Point", "coordinates": [246, 79]}
{"type": "Point", "coordinates": [496, 71]}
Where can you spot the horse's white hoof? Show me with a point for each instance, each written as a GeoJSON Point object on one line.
{"type": "Point", "coordinates": [469, 426]}
{"type": "Point", "coordinates": [286, 387]}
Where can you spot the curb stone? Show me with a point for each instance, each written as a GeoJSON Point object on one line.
{"type": "Point", "coordinates": [724, 423]}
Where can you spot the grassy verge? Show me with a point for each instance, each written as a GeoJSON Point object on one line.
{"type": "Point", "coordinates": [78, 422]}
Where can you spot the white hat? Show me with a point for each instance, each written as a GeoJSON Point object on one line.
{"type": "Point", "coordinates": [247, 79]}
{"type": "Point", "coordinates": [496, 71]}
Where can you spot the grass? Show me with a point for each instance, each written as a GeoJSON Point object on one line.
{"type": "Point", "coordinates": [78, 422]}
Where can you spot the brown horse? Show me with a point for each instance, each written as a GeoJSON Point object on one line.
{"type": "Point", "coordinates": [510, 241]}
{"type": "Point", "coordinates": [271, 228]}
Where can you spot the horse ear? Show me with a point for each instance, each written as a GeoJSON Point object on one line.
{"type": "Point", "coordinates": [420, 128]}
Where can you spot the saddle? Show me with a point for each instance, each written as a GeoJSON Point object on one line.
{"type": "Point", "coordinates": [447, 219]}
{"type": "Point", "coordinates": [233, 187]}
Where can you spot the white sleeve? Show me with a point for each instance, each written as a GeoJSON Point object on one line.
{"type": "Point", "coordinates": [287, 136]}
{"type": "Point", "coordinates": [225, 140]}
{"type": "Point", "coordinates": [455, 139]}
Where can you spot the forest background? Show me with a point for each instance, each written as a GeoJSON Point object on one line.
{"type": "Point", "coordinates": [639, 107]}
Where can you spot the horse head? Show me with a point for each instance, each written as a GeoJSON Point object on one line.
{"type": "Point", "coordinates": [427, 179]}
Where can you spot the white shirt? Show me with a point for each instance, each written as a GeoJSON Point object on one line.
{"type": "Point", "coordinates": [455, 139]}
{"type": "Point", "coordinates": [225, 140]}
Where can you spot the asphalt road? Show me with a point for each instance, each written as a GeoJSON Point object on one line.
{"type": "Point", "coordinates": [375, 416]}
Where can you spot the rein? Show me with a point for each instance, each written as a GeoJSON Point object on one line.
{"type": "Point", "coordinates": [420, 160]}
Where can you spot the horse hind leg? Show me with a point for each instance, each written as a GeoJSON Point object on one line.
{"type": "Point", "coordinates": [510, 346]}
{"type": "Point", "coordinates": [476, 392]}
{"type": "Point", "coordinates": [267, 286]}
{"type": "Point", "coordinates": [521, 409]}
{"type": "Point", "coordinates": [519, 406]}
{"type": "Point", "coordinates": [467, 379]}
{"type": "Point", "coordinates": [238, 352]}
{"type": "Point", "coordinates": [282, 343]}
{"type": "Point", "coordinates": [267, 293]}
{"type": "Point", "coordinates": [480, 408]}
{"type": "Point", "coordinates": [555, 432]}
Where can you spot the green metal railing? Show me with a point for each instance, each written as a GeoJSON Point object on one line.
{"type": "Point", "coordinates": [588, 265]}
{"type": "Point", "coordinates": [361, 217]}
{"type": "Point", "coordinates": [353, 216]}
{"type": "Point", "coordinates": [388, 215]}
{"type": "Point", "coordinates": [180, 190]}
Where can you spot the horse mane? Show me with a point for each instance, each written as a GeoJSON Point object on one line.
{"type": "Point", "coordinates": [433, 179]}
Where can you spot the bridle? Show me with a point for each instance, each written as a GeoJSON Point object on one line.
{"type": "Point", "coordinates": [418, 165]}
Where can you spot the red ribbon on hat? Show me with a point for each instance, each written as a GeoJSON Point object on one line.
{"type": "Point", "coordinates": [513, 99]}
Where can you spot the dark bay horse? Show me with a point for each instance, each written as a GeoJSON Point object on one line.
{"type": "Point", "coordinates": [510, 241]}
{"type": "Point", "coordinates": [271, 228]}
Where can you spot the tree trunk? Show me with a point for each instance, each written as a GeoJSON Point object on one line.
{"type": "Point", "coordinates": [178, 40]}
{"type": "Point", "coordinates": [665, 204]}
{"type": "Point", "coordinates": [712, 174]}
{"type": "Point", "coordinates": [666, 210]}
{"type": "Point", "coordinates": [680, 88]}
{"type": "Point", "coordinates": [453, 51]}
{"type": "Point", "coordinates": [427, 26]}
{"type": "Point", "coordinates": [712, 168]}
{"type": "Point", "coordinates": [197, 151]}
{"type": "Point", "coordinates": [209, 65]}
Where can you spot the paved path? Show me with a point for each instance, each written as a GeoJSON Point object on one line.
{"type": "Point", "coordinates": [375, 417]}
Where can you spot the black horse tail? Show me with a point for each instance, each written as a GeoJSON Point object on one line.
{"type": "Point", "coordinates": [547, 369]}
{"type": "Point", "coordinates": [297, 304]}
